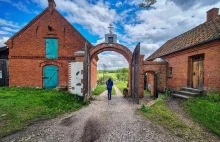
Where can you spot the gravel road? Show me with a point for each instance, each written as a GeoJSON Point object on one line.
{"type": "Point", "coordinates": [116, 120]}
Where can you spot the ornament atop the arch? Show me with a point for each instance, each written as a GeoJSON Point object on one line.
{"type": "Point", "coordinates": [110, 37]}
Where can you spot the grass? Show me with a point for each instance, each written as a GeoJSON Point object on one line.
{"type": "Point", "coordinates": [206, 111]}
{"type": "Point", "coordinates": [147, 93]}
{"type": "Point", "coordinates": [160, 114]}
{"type": "Point", "coordinates": [107, 75]}
{"type": "Point", "coordinates": [21, 106]}
{"type": "Point", "coordinates": [100, 89]}
{"type": "Point", "coordinates": [121, 85]}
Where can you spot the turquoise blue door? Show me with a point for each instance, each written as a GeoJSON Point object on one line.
{"type": "Point", "coordinates": [50, 76]}
{"type": "Point", "coordinates": [51, 48]}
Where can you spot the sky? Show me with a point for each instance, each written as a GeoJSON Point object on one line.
{"type": "Point", "coordinates": [153, 27]}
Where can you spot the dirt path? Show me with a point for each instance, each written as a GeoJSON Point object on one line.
{"type": "Point", "coordinates": [102, 120]}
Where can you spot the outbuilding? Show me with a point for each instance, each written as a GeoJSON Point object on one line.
{"type": "Point", "coordinates": [45, 52]}
{"type": "Point", "coordinates": [192, 57]}
{"type": "Point", "coordinates": [4, 66]}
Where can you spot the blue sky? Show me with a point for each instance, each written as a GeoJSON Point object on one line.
{"type": "Point", "coordinates": [165, 20]}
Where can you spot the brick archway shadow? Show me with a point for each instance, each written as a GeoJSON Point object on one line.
{"type": "Point", "coordinates": [121, 49]}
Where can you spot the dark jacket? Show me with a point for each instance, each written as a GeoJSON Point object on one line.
{"type": "Point", "coordinates": [109, 84]}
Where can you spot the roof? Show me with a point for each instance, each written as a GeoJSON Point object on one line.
{"type": "Point", "coordinates": [4, 48]}
{"type": "Point", "coordinates": [200, 34]}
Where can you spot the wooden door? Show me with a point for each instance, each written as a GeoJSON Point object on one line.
{"type": "Point", "coordinates": [198, 75]}
{"type": "Point", "coordinates": [50, 77]}
{"type": "Point", "coordinates": [86, 74]}
{"type": "Point", "coordinates": [135, 65]}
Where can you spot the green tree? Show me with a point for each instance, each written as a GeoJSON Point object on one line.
{"type": "Point", "coordinates": [147, 3]}
{"type": "Point", "coordinates": [118, 76]}
{"type": "Point", "coordinates": [124, 70]}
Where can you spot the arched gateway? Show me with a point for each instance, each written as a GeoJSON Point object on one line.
{"type": "Point", "coordinates": [132, 58]}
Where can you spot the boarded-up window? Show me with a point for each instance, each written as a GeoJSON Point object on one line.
{"type": "Point", "coordinates": [51, 48]}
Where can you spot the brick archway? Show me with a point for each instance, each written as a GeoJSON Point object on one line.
{"type": "Point", "coordinates": [121, 49]}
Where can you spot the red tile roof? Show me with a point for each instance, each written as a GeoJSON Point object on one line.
{"type": "Point", "coordinates": [204, 32]}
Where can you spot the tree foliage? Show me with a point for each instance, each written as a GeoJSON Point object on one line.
{"type": "Point", "coordinates": [147, 3]}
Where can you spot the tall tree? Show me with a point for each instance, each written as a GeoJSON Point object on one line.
{"type": "Point", "coordinates": [147, 3]}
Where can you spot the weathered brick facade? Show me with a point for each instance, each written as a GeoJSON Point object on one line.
{"type": "Point", "coordinates": [180, 61]}
{"type": "Point", "coordinates": [192, 57]}
{"type": "Point", "coordinates": [27, 49]}
{"type": "Point", "coordinates": [158, 69]}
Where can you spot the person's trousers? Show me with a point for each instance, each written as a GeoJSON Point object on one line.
{"type": "Point", "coordinates": [109, 94]}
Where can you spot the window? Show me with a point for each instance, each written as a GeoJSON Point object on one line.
{"type": "Point", "coordinates": [170, 72]}
{"type": "Point", "coordinates": [51, 48]}
{"type": "Point", "coordinates": [110, 39]}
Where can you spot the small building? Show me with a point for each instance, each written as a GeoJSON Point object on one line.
{"type": "Point", "coordinates": [192, 57]}
{"type": "Point", "coordinates": [43, 52]}
{"type": "Point", "coordinates": [4, 66]}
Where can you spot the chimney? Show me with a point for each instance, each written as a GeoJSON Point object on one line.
{"type": "Point", "coordinates": [51, 5]}
{"type": "Point", "coordinates": [212, 14]}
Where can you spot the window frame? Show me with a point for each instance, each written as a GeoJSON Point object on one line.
{"type": "Point", "coordinates": [57, 51]}
{"type": "Point", "coordinates": [170, 72]}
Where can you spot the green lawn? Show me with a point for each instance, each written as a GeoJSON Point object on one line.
{"type": "Point", "coordinates": [160, 114]}
{"type": "Point", "coordinates": [100, 89]}
{"type": "Point", "coordinates": [147, 93]}
{"type": "Point", "coordinates": [21, 106]}
{"type": "Point", "coordinates": [107, 75]}
{"type": "Point", "coordinates": [121, 85]}
{"type": "Point", "coordinates": [205, 110]}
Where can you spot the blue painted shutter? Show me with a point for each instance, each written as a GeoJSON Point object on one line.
{"type": "Point", "coordinates": [51, 48]}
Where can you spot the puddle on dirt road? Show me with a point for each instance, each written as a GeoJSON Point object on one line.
{"type": "Point", "coordinates": [92, 130]}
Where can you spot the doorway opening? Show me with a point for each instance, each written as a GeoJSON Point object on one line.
{"type": "Point", "coordinates": [110, 65]}
{"type": "Point", "coordinates": [197, 71]}
{"type": "Point", "coordinates": [150, 84]}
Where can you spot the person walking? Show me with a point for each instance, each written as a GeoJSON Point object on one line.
{"type": "Point", "coordinates": [109, 85]}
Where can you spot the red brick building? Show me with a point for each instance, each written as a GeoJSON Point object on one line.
{"type": "Point", "coordinates": [193, 57]}
{"type": "Point", "coordinates": [46, 46]}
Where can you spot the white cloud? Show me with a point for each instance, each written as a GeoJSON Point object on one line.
{"type": "Point", "coordinates": [9, 29]}
{"type": "Point", "coordinates": [4, 32]}
{"type": "Point", "coordinates": [99, 41]}
{"type": "Point", "coordinates": [118, 4]}
{"type": "Point", "coordinates": [112, 60]}
{"type": "Point", "coordinates": [4, 22]}
{"type": "Point", "coordinates": [19, 5]}
{"type": "Point", "coordinates": [166, 21]}
{"type": "Point", "coordinates": [3, 40]}
{"type": "Point", "coordinates": [152, 28]}
{"type": "Point", "coordinates": [93, 17]}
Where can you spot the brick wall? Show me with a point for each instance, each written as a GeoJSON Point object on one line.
{"type": "Point", "coordinates": [180, 63]}
{"type": "Point", "coordinates": [29, 72]}
{"type": "Point", "coordinates": [158, 68]}
{"type": "Point", "coordinates": [94, 74]}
